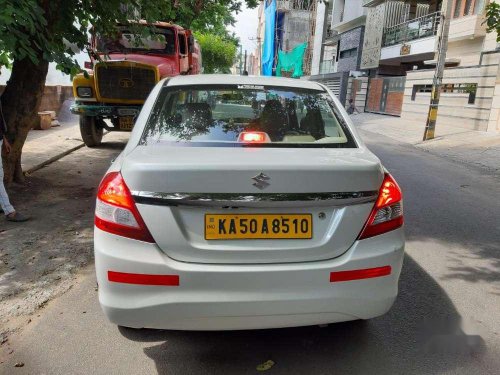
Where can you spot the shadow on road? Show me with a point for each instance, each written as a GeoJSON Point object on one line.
{"type": "Point", "coordinates": [448, 207]}
{"type": "Point", "coordinates": [421, 334]}
{"type": "Point", "coordinates": [38, 258]}
{"type": "Point", "coordinates": [111, 145]}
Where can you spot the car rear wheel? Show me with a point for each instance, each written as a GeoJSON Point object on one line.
{"type": "Point", "coordinates": [91, 130]}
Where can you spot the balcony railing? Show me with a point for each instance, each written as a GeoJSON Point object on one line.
{"type": "Point", "coordinates": [288, 5]}
{"type": "Point", "coordinates": [417, 28]}
{"type": "Point", "coordinates": [328, 66]}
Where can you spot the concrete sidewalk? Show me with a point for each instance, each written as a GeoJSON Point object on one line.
{"type": "Point", "coordinates": [39, 148]}
{"type": "Point", "coordinates": [467, 146]}
{"type": "Point", "coordinates": [43, 145]}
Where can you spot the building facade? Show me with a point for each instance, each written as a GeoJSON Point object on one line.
{"type": "Point", "coordinates": [257, 66]}
{"type": "Point", "coordinates": [348, 22]}
{"type": "Point", "coordinates": [342, 47]}
{"type": "Point", "coordinates": [468, 97]}
{"type": "Point", "coordinates": [293, 25]}
{"type": "Point", "coordinates": [403, 35]}
{"type": "Point", "coordinates": [401, 66]}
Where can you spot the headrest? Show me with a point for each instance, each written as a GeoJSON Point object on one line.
{"type": "Point", "coordinates": [273, 117]}
{"type": "Point", "coordinates": [200, 111]}
{"type": "Point", "coordinates": [197, 115]}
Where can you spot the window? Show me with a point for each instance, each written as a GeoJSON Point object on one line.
{"type": "Point", "coordinates": [162, 42]}
{"type": "Point", "coordinates": [468, 7]}
{"type": "Point", "coordinates": [463, 8]}
{"type": "Point", "coordinates": [182, 44]}
{"type": "Point", "coordinates": [420, 88]}
{"type": "Point", "coordinates": [458, 8]}
{"type": "Point", "coordinates": [458, 88]}
{"type": "Point", "coordinates": [348, 53]}
{"type": "Point", "coordinates": [469, 88]}
{"type": "Point", "coordinates": [222, 115]}
{"type": "Point", "coordinates": [479, 7]}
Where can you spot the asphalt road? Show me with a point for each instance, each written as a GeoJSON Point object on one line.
{"type": "Point", "coordinates": [446, 318]}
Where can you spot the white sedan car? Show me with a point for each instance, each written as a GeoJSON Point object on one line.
{"type": "Point", "coordinates": [246, 203]}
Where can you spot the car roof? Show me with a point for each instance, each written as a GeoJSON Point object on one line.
{"type": "Point", "coordinates": [228, 79]}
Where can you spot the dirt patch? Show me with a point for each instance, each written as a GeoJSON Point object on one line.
{"type": "Point", "coordinates": [39, 259]}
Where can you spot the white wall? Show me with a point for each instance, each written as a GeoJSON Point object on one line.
{"type": "Point", "coordinates": [347, 10]}
{"type": "Point", "coordinates": [337, 9]}
{"type": "Point", "coordinates": [54, 76]}
{"type": "Point", "coordinates": [318, 38]}
{"type": "Point", "coordinates": [454, 109]}
{"type": "Point", "coordinates": [353, 9]}
{"type": "Point", "coordinates": [419, 46]}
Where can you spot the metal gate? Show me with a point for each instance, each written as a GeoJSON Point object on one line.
{"type": "Point", "coordinates": [385, 95]}
{"type": "Point", "coordinates": [333, 84]}
{"type": "Point", "coordinates": [336, 82]}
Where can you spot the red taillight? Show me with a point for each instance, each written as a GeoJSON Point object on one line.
{"type": "Point", "coordinates": [253, 137]}
{"type": "Point", "coordinates": [387, 213]}
{"type": "Point", "coordinates": [116, 212]}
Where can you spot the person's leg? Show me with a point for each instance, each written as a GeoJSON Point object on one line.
{"type": "Point", "coordinates": [4, 198]}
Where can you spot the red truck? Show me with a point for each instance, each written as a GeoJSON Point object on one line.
{"type": "Point", "coordinates": [119, 81]}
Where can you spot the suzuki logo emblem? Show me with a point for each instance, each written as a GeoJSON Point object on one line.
{"type": "Point", "coordinates": [261, 181]}
{"type": "Point", "coordinates": [126, 83]}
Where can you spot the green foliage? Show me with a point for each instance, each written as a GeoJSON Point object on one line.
{"type": "Point", "coordinates": [493, 18]}
{"type": "Point", "coordinates": [59, 28]}
{"type": "Point", "coordinates": [19, 19]}
{"type": "Point", "coordinates": [217, 52]}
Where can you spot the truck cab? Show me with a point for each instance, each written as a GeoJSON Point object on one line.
{"type": "Point", "coordinates": [122, 73]}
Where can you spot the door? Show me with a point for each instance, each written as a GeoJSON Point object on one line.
{"type": "Point", "coordinates": [385, 95]}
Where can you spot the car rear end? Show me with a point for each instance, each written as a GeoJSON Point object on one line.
{"type": "Point", "coordinates": [217, 218]}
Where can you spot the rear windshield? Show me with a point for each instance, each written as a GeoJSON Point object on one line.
{"type": "Point", "coordinates": [246, 116]}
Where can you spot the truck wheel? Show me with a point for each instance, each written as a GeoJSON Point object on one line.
{"type": "Point", "coordinates": [90, 131]}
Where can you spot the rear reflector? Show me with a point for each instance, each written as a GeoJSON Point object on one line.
{"type": "Point", "coordinates": [366, 273]}
{"type": "Point", "coordinates": [143, 279]}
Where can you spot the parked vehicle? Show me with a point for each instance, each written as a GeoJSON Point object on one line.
{"type": "Point", "coordinates": [116, 87]}
{"type": "Point", "coordinates": [240, 217]}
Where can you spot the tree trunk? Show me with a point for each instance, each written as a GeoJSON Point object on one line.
{"type": "Point", "coordinates": [20, 102]}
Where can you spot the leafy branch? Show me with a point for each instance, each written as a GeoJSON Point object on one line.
{"type": "Point", "coordinates": [493, 18]}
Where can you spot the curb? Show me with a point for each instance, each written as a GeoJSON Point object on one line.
{"type": "Point", "coordinates": [55, 158]}
{"type": "Point", "coordinates": [52, 159]}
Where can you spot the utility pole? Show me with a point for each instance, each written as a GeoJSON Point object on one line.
{"type": "Point", "coordinates": [241, 59]}
{"type": "Point", "coordinates": [437, 82]}
{"type": "Point", "coordinates": [245, 72]}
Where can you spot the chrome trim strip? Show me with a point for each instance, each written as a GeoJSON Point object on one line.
{"type": "Point", "coordinates": [248, 200]}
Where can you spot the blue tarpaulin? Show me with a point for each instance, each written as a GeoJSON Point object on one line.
{"type": "Point", "coordinates": [268, 46]}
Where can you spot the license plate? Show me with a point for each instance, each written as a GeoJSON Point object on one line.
{"type": "Point", "coordinates": [126, 122]}
{"type": "Point", "coordinates": [258, 226]}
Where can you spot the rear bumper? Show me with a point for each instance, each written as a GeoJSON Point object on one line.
{"type": "Point", "coordinates": [225, 297]}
